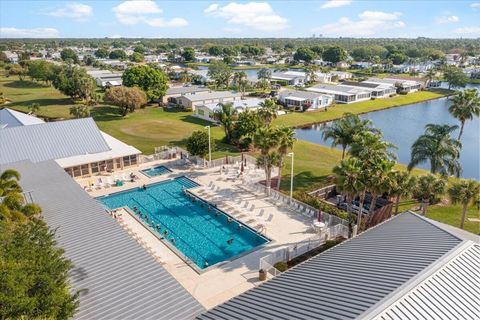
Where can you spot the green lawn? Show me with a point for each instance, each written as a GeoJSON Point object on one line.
{"type": "Point", "coordinates": [298, 119]}
{"type": "Point", "coordinates": [151, 127]}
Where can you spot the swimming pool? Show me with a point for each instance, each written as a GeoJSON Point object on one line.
{"type": "Point", "coordinates": [156, 171]}
{"type": "Point", "coordinates": [200, 232]}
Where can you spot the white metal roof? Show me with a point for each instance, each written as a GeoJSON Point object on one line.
{"type": "Point", "coordinates": [238, 104]}
{"type": "Point", "coordinates": [452, 292]}
{"type": "Point", "coordinates": [10, 118]}
{"type": "Point", "coordinates": [118, 149]}
{"type": "Point", "coordinates": [200, 96]}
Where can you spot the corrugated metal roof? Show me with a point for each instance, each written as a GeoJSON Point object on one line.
{"type": "Point", "coordinates": [10, 118]}
{"type": "Point", "coordinates": [453, 292]}
{"type": "Point", "coordinates": [118, 279]}
{"type": "Point", "coordinates": [344, 282]}
{"type": "Point", "coordinates": [51, 140]}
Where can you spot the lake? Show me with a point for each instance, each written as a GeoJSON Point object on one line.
{"type": "Point", "coordinates": [403, 125]}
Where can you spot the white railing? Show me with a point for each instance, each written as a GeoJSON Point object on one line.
{"type": "Point", "coordinates": [322, 193]}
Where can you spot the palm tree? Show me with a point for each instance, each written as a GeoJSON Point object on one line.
{"type": "Point", "coordinates": [343, 131]}
{"type": "Point", "coordinates": [437, 146]}
{"type": "Point", "coordinates": [379, 180]}
{"type": "Point", "coordinates": [242, 86]}
{"type": "Point", "coordinates": [429, 187]}
{"type": "Point", "coordinates": [226, 114]}
{"type": "Point", "coordinates": [348, 182]}
{"type": "Point", "coordinates": [238, 77]}
{"type": "Point", "coordinates": [466, 106]}
{"type": "Point", "coordinates": [464, 192]}
{"type": "Point", "coordinates": [265, 140]}
{"type": "Point", "coordinates": [9, 182]}
{"type": "Point", "coordinates": [403, 185]}
{"type": "Point", "coordinates": [268, 111]}
{"type": "Point", "coordinates": [430, 75]}
{"type": "Point", "coordinates": [369, 145]}
{"type": "Point", "coordinates": [33, 108]}
{"type": "Point", "coordinates": [81, 111]}
{"type": "Point", "coordinates": [285, 140]}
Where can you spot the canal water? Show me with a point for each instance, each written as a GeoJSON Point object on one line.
{"type": "Point", "coordinates": [403, 125]}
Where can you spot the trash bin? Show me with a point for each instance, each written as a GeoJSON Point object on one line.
{"type": "Point", "coordinates": [262, 275]}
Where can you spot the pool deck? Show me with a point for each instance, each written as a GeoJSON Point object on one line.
{"type": "Point", "coordinates": [226, 280]}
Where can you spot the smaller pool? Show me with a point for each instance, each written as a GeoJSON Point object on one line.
{"type": "Point", "coordinates": [156, 171]}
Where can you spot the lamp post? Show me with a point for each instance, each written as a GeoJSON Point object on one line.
{"type": "Point", "coordinates": [209, 147]}
{"type": "Point", "coordinates": [291, 155]}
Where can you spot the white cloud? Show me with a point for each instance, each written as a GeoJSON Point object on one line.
{"type": "Point", "coordinates": [468, 31]}
{"type": "Point", "coordinates": [335, 4]}
{"type": "Point", "coordinates": [368, 24]}
{"type": "Point", "coordinates": [137, 12]}
{"type": "Point", "coordinates": [256, 15]}
{"type": "Point", "coordinates": [29, 33]}
{"type": "Point", "coordinates": [447, 19]}
{"type": "Point", "coordinates": [475, 5]}
{"type": "Point", "coordinates": [74, 10]}
{"type": "Point", "coordinates": [115, 36]}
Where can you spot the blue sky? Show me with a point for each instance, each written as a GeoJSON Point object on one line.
{"type": "Point", "coordinates": [211, 19]}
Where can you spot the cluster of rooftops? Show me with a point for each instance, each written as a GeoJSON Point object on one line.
{"type": "Point", "coordinates": [405, 268]}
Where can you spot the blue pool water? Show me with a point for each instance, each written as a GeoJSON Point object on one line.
{"type": "Point", "coordinates": [156, 171]}
{"type": "Point", "coordinates": [201, 235]}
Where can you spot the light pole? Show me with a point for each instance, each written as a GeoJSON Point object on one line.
{"type": "Point", "coordinates": [291, 155]}
{"type": "Point", "coordinates": [209, 147]}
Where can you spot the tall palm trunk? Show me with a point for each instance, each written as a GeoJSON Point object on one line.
{"type": "Point", "coordinates": [349, 211]}
{"type": "Point", "coordinates": [343, 151]}
{"type": "Point", "coordinates": [464, 214]}
{"type": "Point", "coordinates": [280, 167]}
{"type": "Point", "coordinates": [373, 204]}
{"type": "Point", "coordinates": [397, 203]}
{"type": "Point", "coordinates": [425, 203]}
{"type": "Point", "coordinates": [462, 124]}
{"type": "Point", "coordinates": [360, 210]}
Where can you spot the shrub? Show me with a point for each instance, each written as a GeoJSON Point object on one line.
{"type": "Point", "coordinates": [281, 266]}
{"type": "Point", "coordinates": [320, 204]}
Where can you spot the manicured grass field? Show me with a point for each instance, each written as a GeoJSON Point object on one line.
{"type": "Point", "coordinates": [299, 119]}
{"type": "Point", "coordinates": [151, 127]}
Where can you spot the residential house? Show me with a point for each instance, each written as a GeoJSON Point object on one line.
{"type": "Point", "coordinates": [304, 100]}
{"type": "Point", "coordinates": [403, 85]}
{"type": "Point", "coordinates": [206, 111]}
{"type": "Point", "coordinates": [377, 90]}
{"type": "Point", "coordinates": [342, 64]}
{"type": "Point", "coordinates": [323, 77]}
{"type": "Point", "coordinates": [174, 93]}
{"type": "Point", "coordinates": [192, 100]}
{"type": "Point", "coordinates": [340, 75]}
{"type": "Point", "coordinates": [77, 145]}
{"type": "Point", "coordinates": [343, 94]}
{"type": "Point", "coordinates": [291, 78]}
{"type": "Point", "coordinates": [11, 56]}
{"type": "Point", "coordinates": [106, 78]}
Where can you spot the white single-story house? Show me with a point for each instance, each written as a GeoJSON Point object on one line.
{"type": "Point", "coordinates": [192, 100]}
{"type": "Point", "coordinates": [175, 92]}
{"type": "Point", "coordinates": [11, 56]}
{"type": "Point", "coordinates": [323, 77]}
{"type": "Point", "coordinates": [304, 100]}
{"type": "Point", "coordinates": [292, 78]}
{"type": "Point", "coordinates": [402, 85]}
{"type": "Point", "coordinates": [106, 78]}
{"type": "Point", "coordinates": [378, 90]}
{"type": "Point", "coordinates": [78, 146]}
{"type": "Point", "coordinates": [340, 75]}
{"type": "Point", "coordinates": [342, 94]}
{"type": "Point", "coordinates": [207, 111]}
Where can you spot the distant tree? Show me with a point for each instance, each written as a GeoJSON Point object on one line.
{"type": "Point", "coordinates": [41, 70]}
{"type": "Point", "coordinates": [464, 192]}
{"type": "Point", "coordinates": [342, 132]}
{"type": "Point", "coordinates": [3, 57]}
{"type": "Point", "coordinates": [128, 99]}
{"type": "Point", "coordinates": [34, 108]}
{"type": "Point", "coordinates": [188, 54]}
{"type": "Point", "coordinates": [429, 187]}
{"type": "Point", "coordinates": [118, 54]}
{"type": "Point", "coordinates": [16, 70]}
{"type": "Point", "coordinates": [102, 53]}
{"type": "Point", "coordinates": [220, 72]}
{"type": "Point", "coordinates": [88, 60]}
{"type": "Point", "coordinates": [139, 49]}
{"type": "Point", "coordinates": [264, 73]}
{"type": "Point", "coordinates": [402, 186]}
{"type": "Point", "coordinates": [69, 54]}
{"type": "Point", "coordinates": [246, 125]}
{"type": "Point", "coordinates": [334, 54]}
{"type": "Point", "coordinates": [197, 144]}
{"type": "Point", "coordinates": [318, 50]}
{"type": "Point", "coordinates": [465, 106]}
{"type": "Point", "coordinates": [152, 81]}
{"type": "Point", "coordinates": [437, 147]}
{"type": "Point", "coordinates": [136, 57]}
{"type": "Point", "coordinates": [267, 111]}
{"type": "Point", "coordinates": [226, 115]}
{"type": "Point", "coordinates": [398, 58]}
{"type": "Point", "coordinates": [80, 111]}
{"type": "Point", "coordinates": [455, 77]}
{"type": "Point", "coordinates": [75, 83]}
{"type": "Point", "coordinates": [265, 140]}
{"type": "Point", "coordinates": [304, 54]}
{"type": "Point", "coordinates": [215, 50]}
